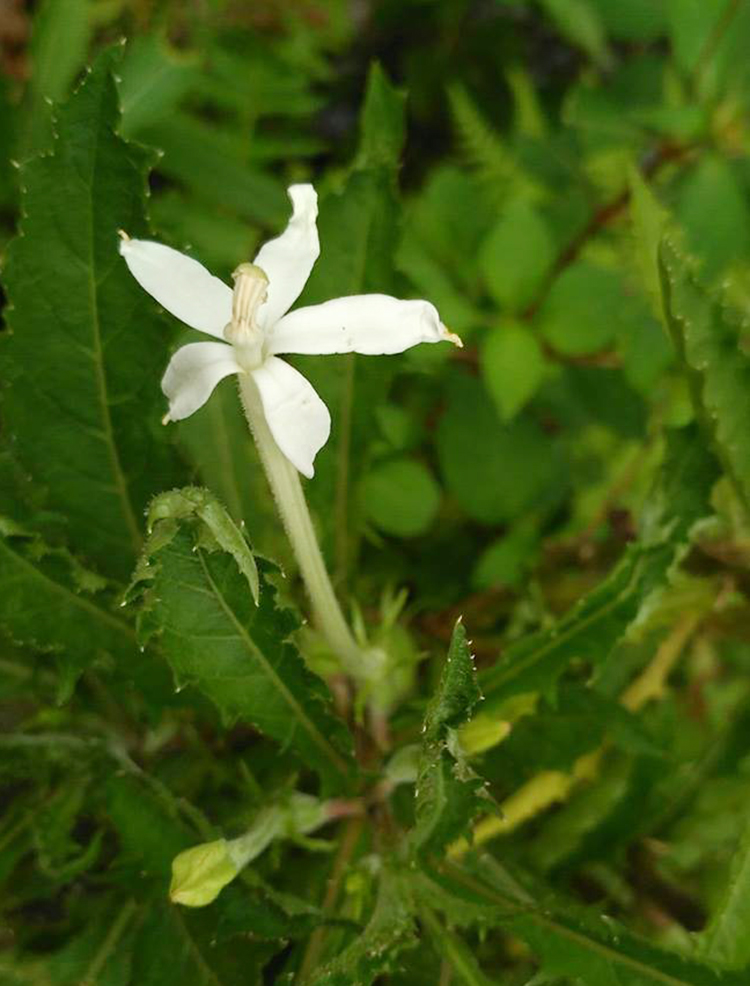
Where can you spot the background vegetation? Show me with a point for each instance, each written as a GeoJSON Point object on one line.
{"type": "Point", "coordinates": [569, 182]}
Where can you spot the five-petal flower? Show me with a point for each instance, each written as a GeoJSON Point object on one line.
{"type": "Point", "coordinates": [254, 327]}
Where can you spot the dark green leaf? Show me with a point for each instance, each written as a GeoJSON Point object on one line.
{"type": "Point", "coordinates": [600, 619]}
{"type": "Point", "coordinates": [52, 603]}
{"type": "Point", "coordinates": [199, 600]}
{"type": "Point", "coordinates": [569, 941]}
{"type": "Point", "coordinates": [389, 931]}
{"type": "Point", "coordinates": [447, 792]}
{"type": "Point", "coordinates": [86, 350]}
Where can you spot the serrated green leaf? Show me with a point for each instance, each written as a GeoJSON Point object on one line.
{"type": "Point", "coordinates": [178, 946]}
{"type": "Point", "coordinates": [455, 952]}
{"type": "Point", "coordinates": [389, 931]}
{"type": "Point", "coordinates": [707, 334]}
{"type": "Point", "coordinates": [447, 791]}
{"type": "Point", "coordinates": [600, 619]}
{"type": "Point", "coordinates": [566, 939]}
{"type": "Point", "coordinates": [53, 604]}
{"type": "Point", "coordinates": [85, 350]}
{"type": "Point", "coordinates": [725, 941]}
{"type": "Point", "coordinates": [194, 502]}
{"type": "Point", "coordinates": [199, 601]}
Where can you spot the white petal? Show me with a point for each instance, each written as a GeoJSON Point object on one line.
{"type": "Point", "coordinates": [192, 374]}
{"type": "Point", "coordinates": [372, 324]}
{"type": "Point", "coordinates": [180, 284]}
{"type": "Point", "coordinates": [298, 418]}
{"type": "Point", "coordinates": [288, 260]}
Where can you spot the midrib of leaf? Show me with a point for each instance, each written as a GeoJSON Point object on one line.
{"type": "Point", "coordinates": [319, 740]}
{"type": "Point", "coordinates": [101, 382]}
{"type": "Point", "coordinates": [70, 596]}
{"type": "Point", "coordinates": [591, 944]}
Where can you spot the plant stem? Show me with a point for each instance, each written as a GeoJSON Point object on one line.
{"type": "Point", "coordinates": [351, 832]}
{"type": "Point", "coordinates": [285, 485]}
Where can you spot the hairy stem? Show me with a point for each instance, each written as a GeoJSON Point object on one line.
{"type": "Point", "coordinates": [285, 485]}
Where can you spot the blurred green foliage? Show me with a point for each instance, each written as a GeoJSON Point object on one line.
{"type": "Point", "coordinates": [568, 182]}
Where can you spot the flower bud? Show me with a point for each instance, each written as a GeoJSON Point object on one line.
{"type": "Point", "coordinates": [200, 873]}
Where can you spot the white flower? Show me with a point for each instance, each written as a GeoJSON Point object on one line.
{"type": "Point", "coordinates": [254, 327]}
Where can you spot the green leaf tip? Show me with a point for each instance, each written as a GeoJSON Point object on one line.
{"type": "Point", "coordinates": [201, 504]}
{"type": "Point", "coordinates": [448, 793]}
{"type": "Point", "coordinates": [233, 645]}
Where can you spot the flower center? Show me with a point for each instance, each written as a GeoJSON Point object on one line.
{"type": "Point", "coordinates": [243, 332]}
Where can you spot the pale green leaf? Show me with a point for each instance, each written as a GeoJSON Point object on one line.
{"type": "Point", "coordinates": [513, 367]}
{"type": "Point", "coordinates": [707, 336]}
{"type": "Point", "coordinates": [725, 941]}
{"type": "Point", "coordinates": [401, 497]}
{"type": "Point", "coordinates": [516, 255]}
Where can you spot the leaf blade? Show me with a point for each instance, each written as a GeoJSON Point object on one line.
{"type": "Point", "coordinates": [82, 402]}
{"type": "Point", "coordinates": [198, 598]}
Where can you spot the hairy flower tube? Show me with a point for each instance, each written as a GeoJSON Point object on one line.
{"type": "Point", "coordinates": [256, 327]}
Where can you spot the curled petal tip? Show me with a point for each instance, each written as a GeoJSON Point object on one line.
{"type": "Point", "coordinates": [166, 419]}
{"type": "Point", "coordinates": [123, 235]}
{"type": "Point", "coordinates": [451, 336]}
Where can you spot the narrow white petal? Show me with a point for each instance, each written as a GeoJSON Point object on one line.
{"type": "Point", "coordinates": [192, 374]}
{"type": "Point", "coordinates": [298, 418]}
{"type": "Point", "coordinates": [288, 260]}
{"type": "Point", "coordinates": [180, 284]}
{"type": "Point", "coordinates": [372, 324]}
